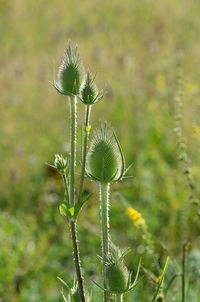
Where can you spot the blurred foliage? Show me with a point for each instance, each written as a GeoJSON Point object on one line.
{"type": "Point", "coordinates": [135, 47]}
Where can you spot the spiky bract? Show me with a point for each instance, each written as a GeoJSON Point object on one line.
{"type": "Point", "coordinates": [118, 276]}
{"type": "Point", "coordinates": [60, 163]}
{"type": "Point", "coordinates": [69, 73]}
{"type": "Point", "coordinates": [105, 160]}
{"type": "Point", "coordinates": [89, 93]}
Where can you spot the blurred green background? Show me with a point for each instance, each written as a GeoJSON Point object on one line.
{"type": "Point", "coordinates": [135, 47]}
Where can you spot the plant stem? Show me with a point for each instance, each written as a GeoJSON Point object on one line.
{"type": "Point", "coordinates": [85, 143]}
{"type": "Point", "coordinates": [104, 209]}
{"type": "Point", "coordinates": [72, 148]}
{"type": "Point", "coordinates": [183, 272]}
{"type": "Point", "coordinates": [119, 298]}
{"type": "Point", "coordinates": [73, 226]}
{"type": "Point", "coordinates": [66, 186]}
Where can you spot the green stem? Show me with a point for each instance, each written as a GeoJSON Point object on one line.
{"type": "Point", "coordinates": [183, 272]}
{"type": "Point", "coordinates": [66, 187]}
{"type": "Point", "coordinates": [119, 298]}
{"type": "Point", "coordinates": [72, 148]}
{"type": "Point", "coordinates": [85, 143]}
{"type": "Point", "coordinates": [73, 226]}
{"type": "Point", "coordinates": [104, 209]}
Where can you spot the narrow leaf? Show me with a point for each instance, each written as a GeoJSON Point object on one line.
{"type": "Point", "coordinates": [161, 280]}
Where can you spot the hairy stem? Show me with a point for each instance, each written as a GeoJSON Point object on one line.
{"type": "Point", "coordinates": [73, 226]}
{"type": "Point", "coordinates": [84, 152]}
{"type": "Point", "coordinates": [104, 209]}
{"type": "Point", "coordinates": [66, 187]}
{"type": "Point", "coordinates": [72, 148]}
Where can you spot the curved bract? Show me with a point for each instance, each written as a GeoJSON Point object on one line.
{"type": "Point", "coordinates": [105, 160]}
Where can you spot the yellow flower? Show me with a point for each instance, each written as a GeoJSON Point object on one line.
{"type": "Point", "coordinates": [135, 217]}
{"type": "Point", "coordinates": [196, 130]}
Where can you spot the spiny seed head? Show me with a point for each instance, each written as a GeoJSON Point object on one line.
{"type": "Point", "coordinates": [69, 73]}
{"type": "Point", "coordinates": [118, 277]}
{"type": "Point", "coordinates": [105, 160]}
{"type": "Point", "coordinates": [60, 163]}
{"type": "Point", "coordinates": [117, 273]}
{"type": "Point", "coordinates": [89, 93]}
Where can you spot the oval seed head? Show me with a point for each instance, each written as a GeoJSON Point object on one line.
{"type": "Point", "coordinates": [89, 93]}
{"type": "Point", "coordinates": [105, 160]}
{"type": "Point", "coordinates": [118, 277]}
{"type": "Point", "coordinates": [69, 73]}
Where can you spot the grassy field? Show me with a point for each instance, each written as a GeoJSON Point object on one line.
{"type": "Point", "coordinates": [136, 49]}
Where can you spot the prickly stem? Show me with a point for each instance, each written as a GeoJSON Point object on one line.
{"type": "Point", "coordinates": [104, 210]}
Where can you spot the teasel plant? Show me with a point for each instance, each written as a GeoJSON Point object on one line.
{"type": "Point", "coordinates": [105, 164]}
{"type": "Point", "coordinates": [76, 85]}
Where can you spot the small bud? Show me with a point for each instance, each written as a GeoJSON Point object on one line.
{"type": "Point", "coordinates": [69, 73]}
{"type": "Point", "coordinates": [105, 160]}
{"type": "Point", "coordinates": [89, 93]}
{"type": "Point", "coordinates": [60, 163]}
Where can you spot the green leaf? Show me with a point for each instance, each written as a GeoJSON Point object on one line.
{"type": "Point", "coordinates": [63, 209]}
{"type": "Point", "coordinates": [64, 298]}
{"type": "Point", "coordinates": [64, 283]}
{"type": "Point", "coordinates": [161, 280]}
{"type": "Point", "coordinates": [71, 211]}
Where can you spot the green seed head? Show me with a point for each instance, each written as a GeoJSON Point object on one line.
{"type": "Point", "coordinates": [105, 160]}
{"type": "Point", "coordinates": [89, 93]}
{"type": "Point", "coordinates": [118, 277]}
{"type": "Point", "coordinates": [117, 273]}
{"type": "Point", "coordinates": [69, 73]}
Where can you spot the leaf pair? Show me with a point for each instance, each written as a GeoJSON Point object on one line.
{"type": "Point", "coordinates": [73, 212]}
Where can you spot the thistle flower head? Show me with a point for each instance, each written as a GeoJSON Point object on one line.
{"type": "Point", "coordinates": [89, 93]}
{"type": "Point", "coordinates": [69, 73]}
{"type": "Point", "coordinates": [105, 160]}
